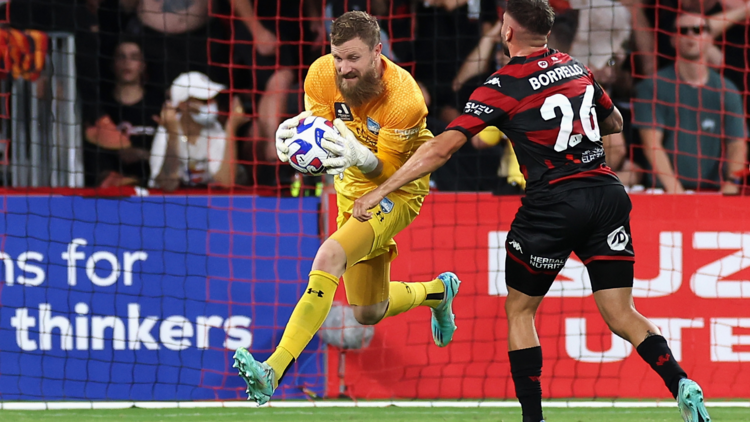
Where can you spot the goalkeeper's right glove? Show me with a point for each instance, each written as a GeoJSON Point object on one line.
{"type": "Point", "coordinates": [346, 151]}
{"type": "Point", "coordinates": [285, 132]}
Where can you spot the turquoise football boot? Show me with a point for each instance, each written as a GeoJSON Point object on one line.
{"type": "Point", "coordinates": [259, 376]}
{"type": "Point", "coordinates": [443, 319]}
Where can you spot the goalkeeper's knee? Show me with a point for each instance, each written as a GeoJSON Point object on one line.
{"type": "Point", "coordinates": [330, 258]}
{"type": "Point", "coordinates": [370, 314]}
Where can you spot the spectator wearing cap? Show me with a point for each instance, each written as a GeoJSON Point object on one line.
{"type": "Point", "coordinates": [191, 148]}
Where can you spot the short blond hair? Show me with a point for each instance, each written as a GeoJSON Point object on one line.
{"type": "Point", "coordinates": [356, 24]}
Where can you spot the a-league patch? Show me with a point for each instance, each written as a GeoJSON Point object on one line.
{"type": "Point", "coordinates": [373, 126]}
{"type": "Point", "coordinates": [386, 205]}
{"type": "Point", "coordinates": [343, 112]}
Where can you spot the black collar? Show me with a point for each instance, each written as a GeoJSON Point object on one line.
{"type": "Point", "coordinates": [538, 55]}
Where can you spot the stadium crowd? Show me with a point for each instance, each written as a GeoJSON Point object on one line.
{"type": "Point", "coordinates": [183, 93]}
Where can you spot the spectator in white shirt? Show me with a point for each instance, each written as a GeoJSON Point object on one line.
{"type": "Point", "coordinates": [191, 148]}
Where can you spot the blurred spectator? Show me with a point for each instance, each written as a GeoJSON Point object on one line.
{"type": "Point", "coordinates": [444, 29]}
{"type": "Point", "coordinates": [77, 17]}
{"type": "Point", "coordinates": [601, 31]}
{"type": "Point", "coordinates": [120, 126]}
{"type": "Point", "coordinates": [269, 78]}
{"type": "Point", "coordinates": [484, 59]}
{"type": "Point", "coordinates": [268, 69]}
{"type": "Point", "coordinates": [180, 35]}
{"type": "Point", "coordinates": [601, 35]}
{"type": "Point", "coordinates": [691, 119]}
{"type": "Point", "coordinates": [653, 29]}
{"type": "Point", "coordinates": [191, 148]}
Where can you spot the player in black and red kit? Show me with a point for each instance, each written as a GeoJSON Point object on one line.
{"type": "Point", "coordinates": [555, 113]}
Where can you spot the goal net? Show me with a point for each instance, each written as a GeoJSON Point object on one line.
{"type": "Point", "coordinates": [145, 237]}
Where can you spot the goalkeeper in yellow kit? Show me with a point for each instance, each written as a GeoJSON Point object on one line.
{"type": "Point", "coordinates": [380, 113]}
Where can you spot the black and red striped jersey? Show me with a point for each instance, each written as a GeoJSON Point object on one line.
{"type": "Point", "coordinates": [548, 104]}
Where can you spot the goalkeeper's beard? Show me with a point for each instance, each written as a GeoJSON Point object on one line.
{"type": "Point", "coordinates": [368, 87]}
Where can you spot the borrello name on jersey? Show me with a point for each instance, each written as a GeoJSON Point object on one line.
{"type": "Point", "coordinates": [548, 105]}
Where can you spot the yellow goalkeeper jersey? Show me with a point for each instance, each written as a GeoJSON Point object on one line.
{"type": "Point", "coordinates": [392, 126]}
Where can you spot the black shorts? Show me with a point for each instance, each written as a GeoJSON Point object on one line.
{"type": "Point", "coordinates": [592, 222]}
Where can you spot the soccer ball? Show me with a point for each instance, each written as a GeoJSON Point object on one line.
{"type": "Point", "coordinates": [306, 155]}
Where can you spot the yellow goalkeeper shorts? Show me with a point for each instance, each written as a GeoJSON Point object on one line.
{"type": "Point", "coordinates": [393, 214]}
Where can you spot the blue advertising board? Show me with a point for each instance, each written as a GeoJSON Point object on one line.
{"type": "Point", "coordinates": [147, 298]}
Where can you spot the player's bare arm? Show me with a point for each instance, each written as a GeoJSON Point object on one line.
{"type": "Point", "coordinates": [428, 158]}
{"type": "Point", "coordinates": [612, 124]}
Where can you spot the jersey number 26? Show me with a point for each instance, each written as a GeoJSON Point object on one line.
{"type": "Point", "coordinates": [587, 115]}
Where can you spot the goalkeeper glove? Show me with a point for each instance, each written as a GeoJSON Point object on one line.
{"type": "Point", "coordinates": [346, 151]}
{"type": "Point", "coordinates": [285, 132]}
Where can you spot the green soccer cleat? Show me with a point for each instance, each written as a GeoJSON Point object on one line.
{"type": "Point", "coordinates": [443, 325]}
{"type": "Point", "coordinates": [259, 376]}
{"type": "Point", "coordinates": [690, 402]}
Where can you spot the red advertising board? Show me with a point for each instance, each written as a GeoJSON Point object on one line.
{"type": "Point", "coordinates": [692, 280]}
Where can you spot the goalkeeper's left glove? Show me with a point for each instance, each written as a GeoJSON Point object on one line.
{"type": "Point", "coordinates": [347, 151]}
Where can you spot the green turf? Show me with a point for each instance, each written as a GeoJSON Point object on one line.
{"type": "Point", "coordinates": [391, 414]}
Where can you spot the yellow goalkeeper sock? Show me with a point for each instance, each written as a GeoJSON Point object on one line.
{"type": "Point", "coordinates": [405, 296]}
{"type": "Point", "coordinates": [306, 319]}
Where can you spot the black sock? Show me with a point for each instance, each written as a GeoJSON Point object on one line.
{"type": "Point", "coordinates": [656, 352]}
{"type": "Point", "coordinates": [526, 368]}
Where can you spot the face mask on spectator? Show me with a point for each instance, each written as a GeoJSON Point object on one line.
{"type": "Point", "coordinates": [206, 115]}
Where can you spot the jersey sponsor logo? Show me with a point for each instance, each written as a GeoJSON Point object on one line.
{"type": "Point", "coordinates": [494, 81]}
{"type": "Point", "coordinates": [343, 112]}
{"type": "Point", "coordinates": [516, 246]}
{"type": "Point", "coordinates": [127, 128]}
{"type": "Point", "coordinates": [543, 64]}
{"type": "Point", "coordinates": [708, 125]}
{"type": "Point", "coordinates": [407, 133]}
{"type": "Point", "coordinates": [554, 75]}
{"type": "Point", "coordinates": [386, 205]}
{"type": "Point", "coordinates": [373, 126]}
{"type": "Point", "coordinates": [477, 109]}
{"type": "Point", "coordinates": [618, 239]}
{"type": "Point", "coordinates": [546, 263]}
{"type": "Point", "coordinates": [592, 154]}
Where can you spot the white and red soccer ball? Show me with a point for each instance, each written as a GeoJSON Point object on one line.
{"type": "Point", "coordinates": [306, 155]}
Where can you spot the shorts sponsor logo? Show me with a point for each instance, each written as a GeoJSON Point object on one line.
{"type": "Point", "coordinates": [373, 126]}
{"type": "Point", "coordinates": [516, 246]}
{"type": "Point", "coordinates": [546, 263]}
{"type": "Point", "coordinates": [386, 205]}
{"type": "Point", "coordinates": [618, 239]}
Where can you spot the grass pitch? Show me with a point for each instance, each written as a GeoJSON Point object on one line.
{"type": "Point", "coordinates": [390, 414]}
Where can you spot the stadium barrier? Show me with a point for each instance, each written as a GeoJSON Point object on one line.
{"type": "Point", "coordinates": [147, 298]}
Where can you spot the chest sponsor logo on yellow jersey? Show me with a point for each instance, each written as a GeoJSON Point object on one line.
{"type": "Point", "coordinates": [367, 138]}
